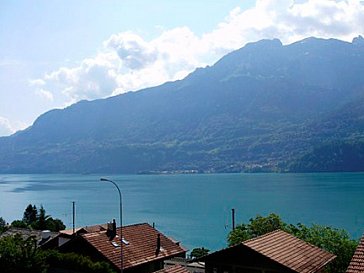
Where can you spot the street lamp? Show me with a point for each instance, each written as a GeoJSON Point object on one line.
{"type": "Point", "coordinates": [121, 222]}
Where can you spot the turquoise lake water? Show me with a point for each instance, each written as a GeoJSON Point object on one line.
{"type": "Point", "coordinates": [194, 209]}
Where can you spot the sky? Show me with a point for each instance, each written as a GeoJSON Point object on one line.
{"type": "Point", "coordinates": [55, 53]}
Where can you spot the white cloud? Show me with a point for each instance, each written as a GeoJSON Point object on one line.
{"type": "Point", "coordinates": [128, 62]}
{"type": "Point", "coordinates": [44, 94]}
{"type": "Point", "coordinates": [37, 82]}
{"type": "Point", "coordinates": [5, 127]}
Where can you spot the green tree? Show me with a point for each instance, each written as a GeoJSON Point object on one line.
{"type": "Point", "coordinates": [54, 224]}
{"type": "Point", "coordinates": [257, 226]}
{"type": "Point", "coordinates": [30, 214]}
{"type": "Point", "coordinates": [334, 240]}
{"type": "Point", "coordinates": [46, 222]}
{"type": "Point", "coordinates": [21, 255]}
{"type": "Point", "coordinates": [199, 252]}
{"type": "Point", "coordinates": [32, 218]}
{"type": "Point", "coordinates": [41, 222]}
{"type": "Point", "coordinates": [19, 224]}
{"type": "Point", "coordinates": [2, 225]}
{"type": "Point", "coordinates": [73, 261]}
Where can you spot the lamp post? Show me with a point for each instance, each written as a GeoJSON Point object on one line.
{"type": "Point", "coordinates": [121, 222]}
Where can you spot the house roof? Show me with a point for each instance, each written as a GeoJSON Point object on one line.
{"type": "Point", "coordinates": [173, 269]}
{"type": "Point", "coordinates": [357, 262]}
{"type": "Point", "coordinates": [290, 251]}
{"type": "Point", "coordinates": [139, 247]}
{"type": "Point", "coordinates": [42, 237]}
{"type": "Point", "coordinates": [86, 229]}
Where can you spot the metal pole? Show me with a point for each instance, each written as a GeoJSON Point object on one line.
{"type": "Point", "coordinates": [121, 221]}
{"type": "Point", "coordinates": [73, 217]}
{"type": "Point", "coordinates": [233, 218]}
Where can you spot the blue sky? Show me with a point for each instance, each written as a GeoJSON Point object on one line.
{"type": "Point", "coordinates": [55, 53]}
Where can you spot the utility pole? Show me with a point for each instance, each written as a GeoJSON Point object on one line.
{"type": "Point", "coordinates": [233, 218]}
{"type": "Point", "coordinates": [73, 217]}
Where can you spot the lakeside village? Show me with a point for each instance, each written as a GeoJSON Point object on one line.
{"type": "Point", "coordinates": [264, 245]}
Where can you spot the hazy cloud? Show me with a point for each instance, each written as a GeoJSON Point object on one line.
{"type": "Point", "coordinates": [44, 94]}
{"type": "Point", "coordinates": [5, 127]}
{"type": "Point", "coordinates": [128, 62]}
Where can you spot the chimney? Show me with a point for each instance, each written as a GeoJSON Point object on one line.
{"type": "Point", "coordinates": [158, 249]}
{"type": "Point", "coordinates": [111, 230]}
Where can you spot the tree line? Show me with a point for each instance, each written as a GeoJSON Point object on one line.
{"type": "Point", "coordinates": [35, 219]}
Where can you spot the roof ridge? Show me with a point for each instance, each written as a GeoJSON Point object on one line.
{"type": "Point", "coordinates": [280, 230]}
{"type": "Point", "coordinates": [263, 235]}
{"type": "Point", "coordinates": [249, 244]}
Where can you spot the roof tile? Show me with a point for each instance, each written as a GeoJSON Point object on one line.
{"type": "Point", "coordinates": [174, 269]}
{"type": "Point", "coordinates": [141, 247]}
{"type": "Point", "coordinates": [290, 251]}
{"type": "Point", "coordinates": [357, 262]}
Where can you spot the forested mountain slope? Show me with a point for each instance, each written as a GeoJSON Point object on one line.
{"type": "Point", "coordinates": [264, 107]}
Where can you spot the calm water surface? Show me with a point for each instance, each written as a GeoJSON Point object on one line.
{"type": "Point", "coordinates": [195, 209]}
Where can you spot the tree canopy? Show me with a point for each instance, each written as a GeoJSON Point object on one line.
{"type": "Point", "coordinates": [336, 241]}
{"type": "Point", "coordinates": [38, 219]}
{"type": "Point", "coordinates": [19, 254]}
{"type": "Point", "coordinates": [2, 225]}
{"type": "Point", "coordinates": [199, 252]}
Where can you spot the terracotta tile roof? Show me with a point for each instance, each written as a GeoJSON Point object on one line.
{"type": "Point", "coordinates": [174, 269]}
{"type": "Point", "coordinates": [290, 251]}
{"type": "Point", "coordinates": [357, 262]}
{"type": "Point", "coordinates": [86, 229]}
{"type": "Point", "coordinates": [140, 248]}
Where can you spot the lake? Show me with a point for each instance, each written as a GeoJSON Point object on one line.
{"type": "Point", "coordinates": [194, 209]}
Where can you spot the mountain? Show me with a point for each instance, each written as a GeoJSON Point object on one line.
{"type": "Point", "coordinates": [264, 107]}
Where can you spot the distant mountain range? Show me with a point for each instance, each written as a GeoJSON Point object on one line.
{"type": "Point", "coordinates": [264, 107]}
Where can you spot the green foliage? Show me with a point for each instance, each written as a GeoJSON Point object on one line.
{"type": "Point", "coordinates": [257, 226]}
{"type": "Point", "coordinates": [332, 156]}
{"type": "Point", "coordinates": [30, 214]}
{"type": "Point", "coordinates": [199, 252]}
{"type": "Point", "coordinates": [265, 115]}
{"type": "Point", "coordinates": [2, 225]}
{"type": "Point", "coordinates": [76, 262]}
{"type": "Point", "coordinates": [334, 240]}
{"type": "Point", "coordinates": [38, 220]}
{"type": "Point", "coordinates": [54, 224]}
{"type": "Point", "coordinates": [19, 224]}
{"type": "Point", "coordinates": [41, 221]}
{"type": "Point", "coordinates": [331, 239]}
{"type": "Point", "coordinates": [19, 255]}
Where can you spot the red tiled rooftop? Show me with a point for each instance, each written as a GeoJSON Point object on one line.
{"type": "Point", "coordinates": [86, 229]}
{"type": "Point", "coordinates": [290, 251]}
{"type": "Point", "coordinates": [141, 247]}
{"type": "Point", "coordinates": [174, 269]}
{"type": "Point", "coordinates": [357, 262]}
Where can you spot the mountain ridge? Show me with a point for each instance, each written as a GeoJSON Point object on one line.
{"type": "Point", "coordinates": [264, 107]}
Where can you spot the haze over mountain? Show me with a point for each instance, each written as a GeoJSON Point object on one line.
{"type": "Point", "coordinates": [264, 107]}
